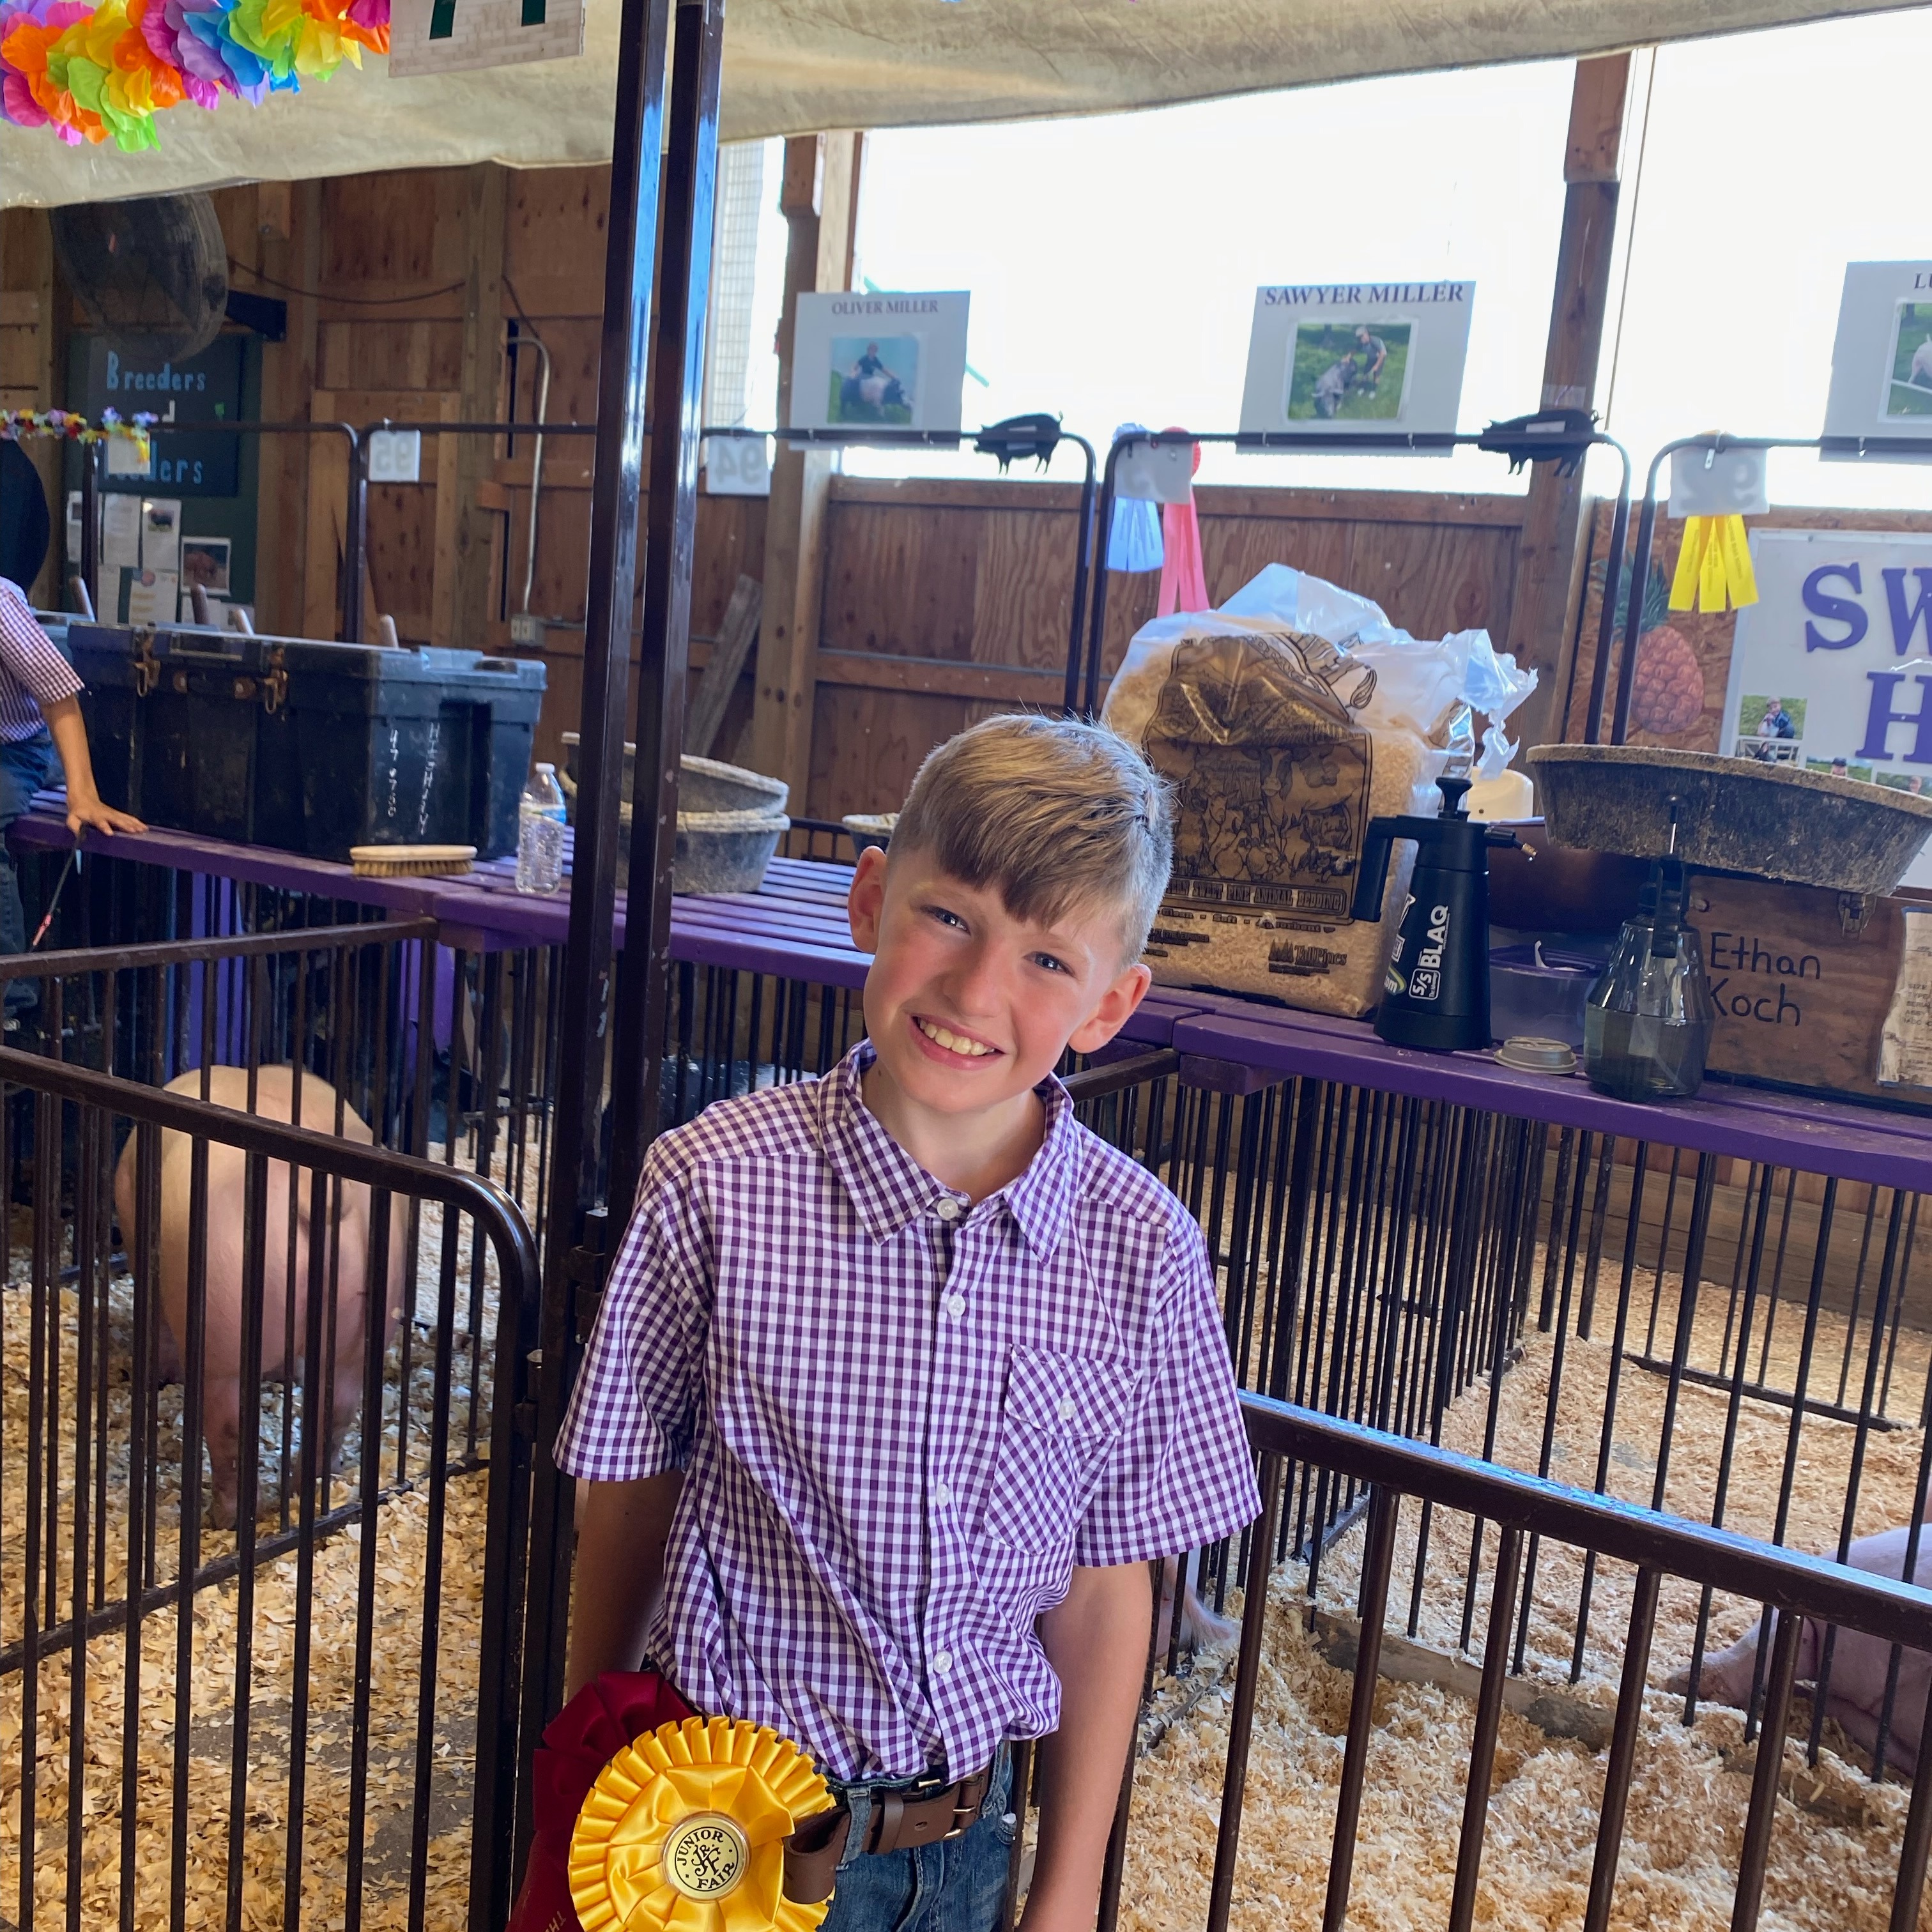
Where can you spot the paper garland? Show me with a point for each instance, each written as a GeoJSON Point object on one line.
{"type": "Point", "coordinates": [17, 425]}
{"type": "Point", "coordinates": [100, 73]}
{"type": "Point", "coordinates": [685, 1830]}
{"type": "Point", "coordinates": [1714, 566]}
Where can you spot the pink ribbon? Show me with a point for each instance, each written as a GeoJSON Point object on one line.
{"type": "Point", "coordinates": [1183, 583]}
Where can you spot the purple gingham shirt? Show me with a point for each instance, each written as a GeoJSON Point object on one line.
{"type": "Point", "coordinates": [902, 1420]}
{"type": "Point", "coordinates": [32, 673]}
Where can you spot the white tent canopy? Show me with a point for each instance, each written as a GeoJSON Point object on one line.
{"type": "Point", "coordinates": [793, 66]}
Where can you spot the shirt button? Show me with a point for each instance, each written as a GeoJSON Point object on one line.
{"type": "Point", "coordinates": [942, 1663]}
{"type": "Point", "coordinates": [955, 1305]}
{"type": "Point", "coordinates": [1066, 1408]}
{"type": "Point", "coordinates": [946, 1208]}
{"type": "Point", "coordinates": [941, 1494]}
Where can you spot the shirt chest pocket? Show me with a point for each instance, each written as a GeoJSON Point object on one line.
{"type": "Point", "coordinates": [1061, 1420]}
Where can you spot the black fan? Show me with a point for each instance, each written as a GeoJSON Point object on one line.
{"type": "Point", "coordinates": [153, 271]}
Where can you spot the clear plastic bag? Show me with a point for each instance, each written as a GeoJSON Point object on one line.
{"type": "Point", "coordinates": [1284, 721]}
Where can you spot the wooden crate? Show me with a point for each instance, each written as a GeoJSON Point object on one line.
{"type": "Point", "coordinates": [1802, 978]}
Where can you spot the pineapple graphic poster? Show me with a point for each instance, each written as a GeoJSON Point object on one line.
{"type": "Point", "coordinates": [1832, 669]}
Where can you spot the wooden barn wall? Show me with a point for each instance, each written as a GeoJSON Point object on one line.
{"type": "Point", "coordinates": [943, 600]}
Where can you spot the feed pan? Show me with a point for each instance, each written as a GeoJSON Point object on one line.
{"type": "Point", "coordinates": [1733, 815]}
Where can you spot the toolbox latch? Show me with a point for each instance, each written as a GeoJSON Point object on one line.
{"type": "Point", "coordinates": [147, 666]}
{"type": "Point", "coordinates": [274, 685]}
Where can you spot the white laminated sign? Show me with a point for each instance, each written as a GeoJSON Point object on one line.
{"type": "Point", "coordinates": [1358, 358]}
{"type": "Point", "coordinates": [462, 36]}
{"type": "Point", "coordinates": [1881, 359]}
{"type": "Point", "coordinates": [879, 360]}
{"type": "Point", "coordinates": [1832, 668]}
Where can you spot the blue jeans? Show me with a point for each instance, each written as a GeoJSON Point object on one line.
{"type": "Point", "coordinates": [23, 771]}
{"type": "Point", "coordinates": [954, 1886]}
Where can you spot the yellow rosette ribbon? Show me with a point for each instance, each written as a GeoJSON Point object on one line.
{"type": "Point", "coordinates": [1714, 567]}
{"type": "Point", "coordinates": [685, 1830]}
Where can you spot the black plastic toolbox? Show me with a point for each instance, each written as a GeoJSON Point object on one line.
{"type": "Point", "coordinates": [306, 746]}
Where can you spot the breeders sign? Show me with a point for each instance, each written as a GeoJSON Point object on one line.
{"type": "Point", "coordinates": [1832, 668]}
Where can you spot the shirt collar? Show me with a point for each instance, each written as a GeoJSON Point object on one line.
{"type": "Point", "coordinates": [889, 1189]}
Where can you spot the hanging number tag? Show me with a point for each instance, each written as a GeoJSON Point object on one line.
{"type": "Point", "coordinates": [395, 456]}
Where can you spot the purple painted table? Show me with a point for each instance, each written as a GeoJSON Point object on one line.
{"type": "Point", "coordinates": [795, 928]}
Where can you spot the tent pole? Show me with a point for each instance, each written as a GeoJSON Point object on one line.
{"type": "Point", "coordinates": [570, 1258]}
{"type": "Point", "coordinates": [677, 405]}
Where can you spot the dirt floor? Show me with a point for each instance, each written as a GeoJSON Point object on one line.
{"type": "Point", "coordinates": [1835, 1847]}
{"type": "Point", "coordinates": [405, 1557]}
{"type": "Point", "coordinates": [1833, 1853]}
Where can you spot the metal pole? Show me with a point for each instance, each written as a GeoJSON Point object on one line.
{"type": "Point", "coordinates": [91, 456]}
{"type": "Point", "coordinates": [677, 400]}
{"type": "Point", "coordinates": [1606, 612]}
{"type": "Point", "coordinates": [1083, 573]}
{"type": "Point", "coordinates": [1103, 537]}
{"type": "Point", "coordinates": [616, 481]}
{"type": "Point", "coordinates": [355, 542]}
{"type": "Point", "coordinates": [1646, 530]}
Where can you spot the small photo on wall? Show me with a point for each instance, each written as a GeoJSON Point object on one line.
{"type": "Point", "coordinates": [204, 561]}
{"type": "Point", "coordinates": [1908, 387]}
{"type": "Point", "coordinates": [879, 362]}
{"type": "Point", "coordinates": [1840, 768]}
{"type": "Point", "coordinates": [874, 380]}
{"type": "Point", "coordinates": [1770, 729]}
{"type": "Point", "coordinates": [1344, 372]}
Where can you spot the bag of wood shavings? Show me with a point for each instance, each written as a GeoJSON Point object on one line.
{"type": "Point", "coordinates": [1281, 745]}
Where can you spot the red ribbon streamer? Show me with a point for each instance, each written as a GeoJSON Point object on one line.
{"type": "Point", "coordinates": [1183, 583]}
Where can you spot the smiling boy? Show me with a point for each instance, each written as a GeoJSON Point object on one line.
{"type": "Point", "coordinates": [903, 1376]}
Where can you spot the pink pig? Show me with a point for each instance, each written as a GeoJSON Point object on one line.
{"type": "Point", "coordinates": [227, 1171]}
{"type": "Point", "coordinates": [1859, 1663]}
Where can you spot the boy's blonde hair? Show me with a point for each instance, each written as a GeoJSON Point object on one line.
{"type": "Point", "coordinates": [1058, 815]}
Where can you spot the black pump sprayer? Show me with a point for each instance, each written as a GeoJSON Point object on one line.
{"type": "Point", "coordinates": [1436, 992]}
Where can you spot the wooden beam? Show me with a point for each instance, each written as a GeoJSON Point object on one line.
{"type": "Point", "coordinates": [1550, 559]}
{"type": "Point", "coordinates": [816, 197]}
{"type": "Point", "coordinates": [283, 499]}
{"type": "Point", "coordinates": [723, 666]}
{"type": "Point", "coordinates": [941, 677]}
{"type": "Point", "coordinates": [465, 530]}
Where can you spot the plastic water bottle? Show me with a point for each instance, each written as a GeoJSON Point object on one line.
{"type": "Point", "coordinates": [540, 822]}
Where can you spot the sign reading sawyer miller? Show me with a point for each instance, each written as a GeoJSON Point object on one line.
{"type": "Point", "coordinates": [1358, 358]}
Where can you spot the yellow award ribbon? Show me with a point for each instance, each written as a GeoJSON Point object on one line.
{"type": "Point", "coordinates": [685, 1830]}
{"type": "Point", "coordinates": [1714, 566]}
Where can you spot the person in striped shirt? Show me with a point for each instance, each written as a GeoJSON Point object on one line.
{"type": "Point", "coordinates": [902, 1377]}
{"type": "Point", "coordinates": [40, 717]}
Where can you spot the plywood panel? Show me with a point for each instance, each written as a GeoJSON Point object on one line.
{"type": "Point", "coordinates": [394, 230]}
{"type": "Point", "coordinates": [391, 355]}
{"type": "Point", "coordinates": [553, 243]}
{"type": "Point", "coordinates": [574, 343]}
{"type": "Point", "coordinates": [402, 557]}
{"type": "Point", "coordinates": [1233, 548]}
{"type": "Point", "coordinates": [730, 542]}
{"type": "Point", "coordinates": [900, 579]}
{"type": "Point", "coordinates": [1433, 579]}
{"type": "Point", "coordinates": [866, 745]}
{"type": "Point", "coordinates": [1023, 594]}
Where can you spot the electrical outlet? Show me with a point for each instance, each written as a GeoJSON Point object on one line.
{"type": "Point", "coordinates": [526, 628]}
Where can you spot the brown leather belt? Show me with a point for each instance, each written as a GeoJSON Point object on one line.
{"type": "Point", "coordinates": [918, 1816]}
